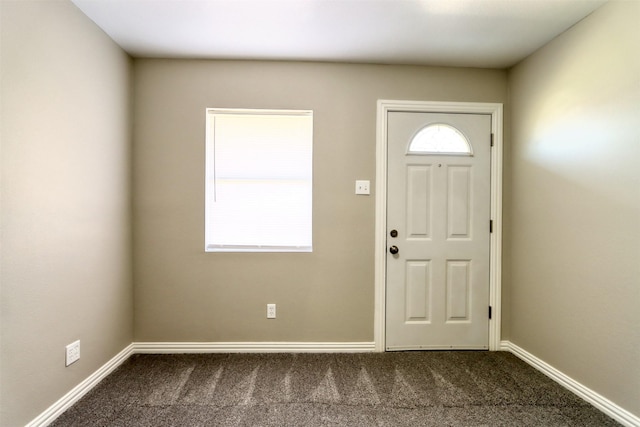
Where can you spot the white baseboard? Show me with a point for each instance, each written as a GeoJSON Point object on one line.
{"type": "Point", "coordinates": [66, 401]}
{"type": "Point", "coordinates": [619, 414]}
{"type": "Point", "coordinates": [253, 347]}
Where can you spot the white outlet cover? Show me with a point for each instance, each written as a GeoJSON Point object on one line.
{"type": "Point", "coordinates": [362, 187]}
{"type": "Point", "coordinates": [72, 353]}
{"type": "Point", "coordinates": [271, 311]}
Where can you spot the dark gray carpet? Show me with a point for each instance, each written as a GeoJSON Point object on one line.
{"type": "Point", "coordinates": [374, 389]}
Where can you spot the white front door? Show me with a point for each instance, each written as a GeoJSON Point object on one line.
{"type": "Point", "coordinates": [438, 238]}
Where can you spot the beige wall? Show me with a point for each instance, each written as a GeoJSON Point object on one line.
{"type": "Point", "coordinates": [184, 294]}
{"type": "Point", "coordinates": [575, 203]}
{"type": "Point", "coordinates": [66, 261]}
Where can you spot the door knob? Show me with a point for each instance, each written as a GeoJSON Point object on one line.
{"type": "Point", "coordinates": [394, 250]}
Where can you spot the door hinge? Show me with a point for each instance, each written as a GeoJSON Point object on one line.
{"type": "Point", "coordinates": [492, 140]}
{"type": "Point", "coordinates": [489, 312]}
{"type": "Point", "coordinates": [490, 226]}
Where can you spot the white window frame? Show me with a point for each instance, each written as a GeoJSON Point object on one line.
{"type": "Point", "coordinates": [210, 177]}
{"type": "Point", "coordinates": [438, 152]}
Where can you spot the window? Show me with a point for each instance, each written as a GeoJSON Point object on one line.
{"type": "Point", "coordinates": [439, 138]}
{"type": "Point", "coordinates": [258, 180]}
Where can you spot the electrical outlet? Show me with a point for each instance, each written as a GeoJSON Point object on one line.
{"type": "Point", "coordinates": [73, 353]}
{"type": "Point", "coordinates": [271, 311]}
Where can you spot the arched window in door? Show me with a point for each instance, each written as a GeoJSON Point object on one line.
{"type": "Point", "coordinates": [440, 138]}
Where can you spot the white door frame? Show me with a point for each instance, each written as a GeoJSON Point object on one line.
{"type": "Point", "coordinates": [495, 266]}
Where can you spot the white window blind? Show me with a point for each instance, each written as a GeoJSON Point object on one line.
{"type": "Point", "coordinates": [259, 178]}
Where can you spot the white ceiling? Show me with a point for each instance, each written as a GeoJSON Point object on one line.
{"type": "Point", "coordinates": [467, 33]}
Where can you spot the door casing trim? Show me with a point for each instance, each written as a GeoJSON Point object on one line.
{"type": "Point", "coordinates": [495, 252]}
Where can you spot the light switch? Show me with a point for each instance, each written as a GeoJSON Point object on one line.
{"type": "Point", "coordinates": [362, 187]}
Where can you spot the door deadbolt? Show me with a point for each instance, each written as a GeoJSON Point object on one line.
{"type": "Point", "coordinates": [394, 233]}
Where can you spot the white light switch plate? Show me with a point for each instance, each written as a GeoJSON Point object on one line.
{"type": "Point", "coordinates": [362, 187]}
